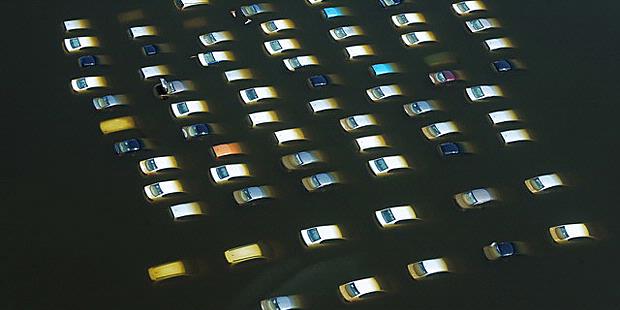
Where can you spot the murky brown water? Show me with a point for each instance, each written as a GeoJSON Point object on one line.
{"type": "Point", "coordinates": [90, 234]}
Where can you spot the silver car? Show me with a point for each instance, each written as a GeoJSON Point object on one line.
{"type": "Point", "coordinates": [252, 194]}
{"type": "Point", "coordinates": [475, 198]}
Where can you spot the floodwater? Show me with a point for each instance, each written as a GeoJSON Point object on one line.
{"type": "Point", "coordinates": [90, 234]}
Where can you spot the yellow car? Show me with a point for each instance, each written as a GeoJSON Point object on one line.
{"type": "Point", "coordinates": [117, 124]}
{"type": "Point", "coordinates": [170, 270]}
{"type": "Point", "coordinates": [245, 253]}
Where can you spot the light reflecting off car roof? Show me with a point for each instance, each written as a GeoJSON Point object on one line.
{"type": "Point", "coordinates": [238, 75]}
{"type": "Point", "coordinates": [515, 135]}
{"type": "Point", "coordinates": [154, 71]}
{"type": "Point", "coordinates": [289, 135]}
{"type": "Point", "coordinates": [117, 124]}
{"type": "Point", "coordinates": [187, 210]}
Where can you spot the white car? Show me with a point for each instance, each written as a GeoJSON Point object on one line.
{"type": "Point", "coordinates": [238, 75]}
{"type": "Point", "coordinates": [468, 7]}
{"type": "Point", "coordinates": [221, 174]}
{"type": "Point", "coordinates": [158, 190]}
{"type": "Point", "coordinates": [503, 116]}
{"type": "Point", "coordinates": [297, 62]}
{"type": "Point", "coordinates": [187, 108]}
{"type": "Point", "coordinates": [275, 47]}
{"type": "Point", "coordinates": [515, 135]}
{"type": "Point", "coordinates": [371, 142]}
{"type": "Point", "coordinates": [88, 83]}
{"type": "Point", "coordinates": [263, 117]}
{"type": "Point", "coordinates": [498, 43]}
{"type": "Point", "coordinates": [289, 302]}
{"type": "Point", "coordinates": [425, 268]}
{"type": "Point", "coordinates": [79, 43]}
{"type": "Point", "coordinates": [384, 165]}
{"type": "Point", "coordinates": [360, 289]}
{"type": "Point", "coordinates": [438, 130]}
{"type": "Point", "coordinates": [314, 236]}
{"type": "Point", "coordinates": [76, 24]}
{"type": "Point", "coordinates": [356, 51]}
{"type": "Point", "coordinates": [344, 32]}
{"type": "Point", "coordinates": [302, 159]}
{"type": "Point", "coordinates": [277, 25]}
{"type": "Point", "coordinates": [482, 92]}
{"type": "Point", "coordinates": [215, 37]}
{"type": "Point", "coordinates": [475, 198]}
{"type": "Point", "coordinates": [321, 181]}
{"type": "Point", "coordinates": [417, 108]}
{"type": "Point", "coordinates": [406, 19]}
{"type": "Point", "coordinates": [185, 4]}
{"type": "Point", "coordinates": [255, 94]}
{"type": "Point", "coordinates": [355, 122]}
{"type": "Point", "coordinates": [290, 135]}
{"type": "Point", "coordinates": [187, 210]}
{"type": "Point", "coordinates": [108, 101]}
{"type": "Point", "coordinates": [142, 31]}
{"type": "Point", "coordinates": [155, 165]}
{"type": "Point", "coordinates": [154, 71]}
{"type": "Point", "coordinates": [418, 37]}
{"type": "Point", "coordinates": [252, 194]}
{"type": "Point", "coordinates": [482, 24]}
{"type": "Point", "coordinates": [383, 92]}
{"type": "Point", "coordinates": [321, 105]}
{"type": "Point", "coordinates": [392, 216]}
{"type": "Point", "coordinates": [567, 232]}
{"type": "Point", "coordinates": [543, 182]}
{"type": "Point", "coordinates": [168, 88]}
{"type": "Point", "coordinates": [215, 57]}
{"type": "Point", "coordinates": [254, 9]}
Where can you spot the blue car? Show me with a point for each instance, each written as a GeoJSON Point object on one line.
{"type": "Point", "coordinates": [150, 49]}
{"type": "Point", "coordinates": [452, 148]}
{"type": "Point", "coordinates": [504, 65]}
{"type": "Point", "coordinates": [88, 61]}
{"type": "Point", "coordinates": [129, 146]}
{"type": "Point", "coordinates": [497, 250]}
{"type": "Point", "coordinates": [387, 3]}
{"type": "Point", "coordinates": [318, 81]}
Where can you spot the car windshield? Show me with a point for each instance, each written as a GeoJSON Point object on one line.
{"type": "Point", "coordinates": [294, 62]}
{"type": "Point", "coordinates": [199, 130]}
{"type": "Point", "coordinates": [462, 6]}
{"type": "Point", "coordinates": [505, 248]}
{"type": "Point", "coordinates": [321, 179]}
{"type": "Point", "coordinates": [440, 77]}
{"type": "Point", "coordinates": [476, 24]}
{"type": "Point", "coordinates": [156, 190]}
{"type": "Point", "coordinates": [313, 234]}
{"type": "Point", "coordinates": [477, 90]}
{"type": "Point", "coordinates": [351, 289]}
{"type": "Point", "coordinates": [561, 232]}
{"type": "Point", "coordinates": [81, 83]}
{"type": "Point", "coordinates": [391, 2]}
{"type": "Point", "coordinates": [250, 10]}
{"type": "Point", "coordinates": [388, 216]}
{"type": "Point", "coordinates": [434, 130]}
{"type": "Point", "coordinates": [271, 26]}
{"type": "Point", "coordinates": [222, 172]}
{"type": "Point", "coordinates": [101, 102]}
{"type": "Point", "coordinates": [537, 184]}
{"type": "Point", "coordinates": [340, 33]}
{"type": "Point", "coordinates": [247, 194]}
{"type": "Point", "coordinates": [182, 107]}
{"type": "Point", "coordinates": [209, 38]}
{"type": "Point", "coordinates": [419, 267]}
{"type": "Point", "coordinates": [303, 158]}
{"type": "Point", "coordinates": [377, 92]}
{"type": "Point", "coordinates": [381, 164]}
{"type": "Point", "coordinates": [470, 198]}
{"type": "Point", "coordinates": [401, 19]}
{"type": "Point", "coordinates": [275, 45]}
{"type": "Point", "coordinates": [412, 38]}
{"type": "Point", "coordinates": [209, 58]}
{"type": "Point", "coordinates": [251, 93]}
{"type": "Point", "coordinates": [75, 42]}
{"type": "Point", "coordinates": [415, 107]}
{"type": "Point", "coordinates": [351, 121]}
{"type": "Point", "coordinates": [151, 165]}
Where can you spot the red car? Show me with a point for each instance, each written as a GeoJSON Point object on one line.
{"type": "Point", "coordinates": [443, 77]}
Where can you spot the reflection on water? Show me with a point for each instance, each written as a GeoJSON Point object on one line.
{"type": "Point", "coordinates": [443, 229]}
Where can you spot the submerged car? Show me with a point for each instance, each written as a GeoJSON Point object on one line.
{"type": "Point", "coordinates": [303, 159]}
{"type": "Point", "coordinates": [542, 183]}
{"type": "Point", "coordinates": [315, 236]}
{"type": "Point", "coordinates": [321, 181]}
{"type": "Point", "coordinates": [497, 250]}
{"type": "Point", "coordinates": [438, 130]}
{"type": "Point", "coordinates": [475, 198]}
{"type": "Point", "coordinates": [155, 165]}
{"type": "Point", "coordinates": [567, 232]}
{"type": "Point", "coordinates": [383, 92]}
{"type": "Point", "coordinates": [387, 164]}
{"type": "Point", "coordinates": [425, 268]}
{"type": "Point", "coordinates": [221, 174]}
{"type": "Point", "coordinates": [252, 194]}
{"type": "Point", "coordinates": [393, 216]}
{"type": "Point", "coordinates": [161, 189]}
{"type": "Point", "coordinates": [360, 289]}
